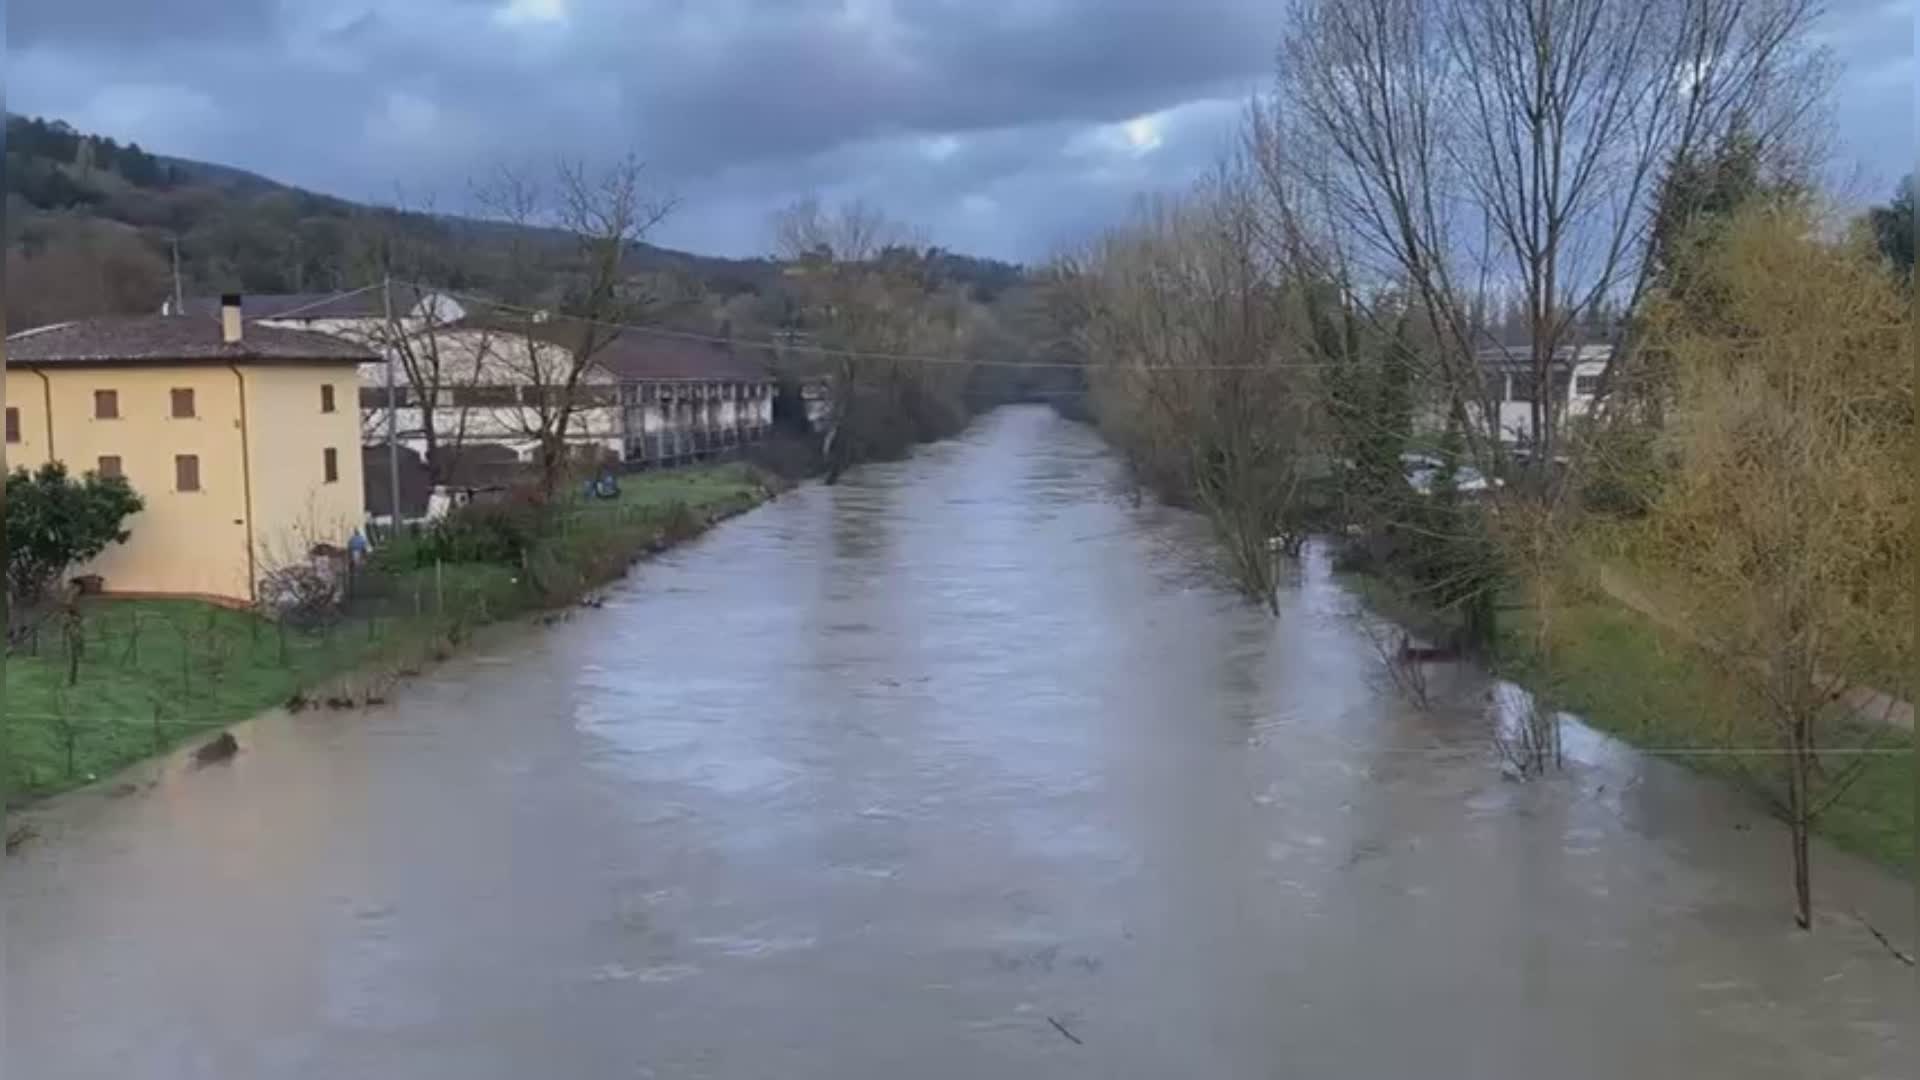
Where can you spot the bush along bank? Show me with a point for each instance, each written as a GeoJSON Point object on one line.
{"type": "Point", "coordinates": [118, 681]}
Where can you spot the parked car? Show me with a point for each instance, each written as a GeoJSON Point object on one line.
{"type": "Point", "coordinates": [1423, 470]}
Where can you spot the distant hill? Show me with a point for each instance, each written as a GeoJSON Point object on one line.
{"type": "Point", "coordinates": [92, 224]}
{"type": "Point", "coordinates": [234, 181]}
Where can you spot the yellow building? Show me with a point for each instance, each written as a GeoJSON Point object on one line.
{"type": "Point", "coordinates": [243, 440]}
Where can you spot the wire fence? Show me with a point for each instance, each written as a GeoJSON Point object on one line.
{"type": "Point", "coordinates": [99, 683]}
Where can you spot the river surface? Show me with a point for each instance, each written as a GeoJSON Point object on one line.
{"type": "Point", "coordinates": [961, 768]}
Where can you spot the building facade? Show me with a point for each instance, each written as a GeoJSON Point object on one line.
{"type": "Point", "coordinates": [687, 400]}
{"type": "Point", "coordinates": [1511, 389]}
{"type": "Point", "coordinates": [487, 385]}
{"type": "Point", "coordinates": [644, 400]}
{"type": "Point", "coordinates": [243, 441]}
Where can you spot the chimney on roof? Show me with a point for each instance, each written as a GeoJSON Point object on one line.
{"type": "Point", "coordinates": [230, 318]}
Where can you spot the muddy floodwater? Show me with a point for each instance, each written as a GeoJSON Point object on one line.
{"type": "Point", "coordinates": [961, 768]}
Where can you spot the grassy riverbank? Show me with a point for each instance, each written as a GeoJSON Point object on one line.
{"type": "Point", "coordinates": [152, 674]}
{"type": "Point", "coordinates": [1615, 669]}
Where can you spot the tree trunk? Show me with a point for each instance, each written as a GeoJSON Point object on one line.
{"type": "Point", "coordinates": [1802, 883]}
{"type": "Point", "coordinates": [1799, 820]}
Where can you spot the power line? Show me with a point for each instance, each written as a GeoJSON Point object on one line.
{"type": "Point", "coordinates": [322, 302]}
{"type": "Point", "coordinates": [865, 354]}
{"type": "Point", "coordinates": [827, 351]}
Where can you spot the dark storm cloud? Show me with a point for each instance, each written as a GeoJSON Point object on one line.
{"type": "Point", "coordinates": [1006, 127]}
{"type": "Point", "coordinates": [133, 22]}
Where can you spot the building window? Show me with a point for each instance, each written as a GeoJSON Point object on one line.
{"type": "Point", "coordinates": [326, 397]}
{"type": "Point", "coordinates": [109, 467]}
{"type": "Point", "coordinates": [1586, 385]}
{"type": "Point", "coordinates": [13, 424]}
{"type": "Point", "coordinates": [489, 396]}
{"type": "Point", "coordinates": [106, 405]}
{"type": "Point", "coordinates": [183, 403]}
{"type": "Point", "coordinates": [330, 464]}
{"type": "Point", "coordinates": [186, 472]}
{"type": "Point", "coordinates": [373, 398]}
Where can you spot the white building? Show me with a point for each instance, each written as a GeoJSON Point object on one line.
{"type": "Point", "coordinates": [487, 379]}
{"type": "Point", "coordinates": [1511, 386]}
{"type": "Point", "coordinates": [644, 399]}
{"type": "Point", "coordinates": [684, 400]}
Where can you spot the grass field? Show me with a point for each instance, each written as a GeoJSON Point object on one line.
{"type": "Point", "coordinates": [155, 673]}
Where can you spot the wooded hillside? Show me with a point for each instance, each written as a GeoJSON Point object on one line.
{"type": "Point", "coordinates": [91, 225]}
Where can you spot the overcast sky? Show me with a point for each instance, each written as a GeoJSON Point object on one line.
{"type": "Point", "coordinates": [1004, 127]}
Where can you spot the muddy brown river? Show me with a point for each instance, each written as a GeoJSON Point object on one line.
{"type": "Point", "coordinates": [961, 768]}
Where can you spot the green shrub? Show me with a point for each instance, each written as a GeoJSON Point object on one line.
{"type": "Point", "coordinates": [54, 522]}
{"type": "Point", "coordinates": [499, 533]}
{"type": "Point", "coordinates": [678, 522]}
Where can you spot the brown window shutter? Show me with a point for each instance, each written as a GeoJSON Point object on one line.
{"type": "Point", "coordinates": [330, 464]}
{"type": "Point", "coordinates": [183, 403]}
{"type": "Point", "coordinates": [13, 424]}
{"type": "Point", "coordinates": [186, 472]}
{"type": "Point", "coordinates": [106, 405]}
{"type": "Point", "coordinates": [326, 397]}
{"type": "Point", "coordinates": [110, 466]}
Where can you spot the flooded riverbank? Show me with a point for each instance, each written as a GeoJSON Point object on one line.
{"type": "Point", "coordinates": [961, 767]}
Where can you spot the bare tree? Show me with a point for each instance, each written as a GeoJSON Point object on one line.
{"type": "Point", "coordinates": [893, 338]}
{"type": "Point", "coordinates": [558, 317]}
{"type": "Point", "coordinates": [1186, 322]}
{"type": "Point", "coordinates": [1464, 146]}
{"type": "Point", "coordinates": [437, 352]}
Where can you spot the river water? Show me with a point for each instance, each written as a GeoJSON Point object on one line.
{"type": "Point", "coordinates": [963, 767]}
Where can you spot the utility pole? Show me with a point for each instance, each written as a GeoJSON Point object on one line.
{"type": "Point", "coordinates": [179, 305]}
{"type": "Point", "coordinates": [393, 409]}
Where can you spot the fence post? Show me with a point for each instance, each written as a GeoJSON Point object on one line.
{"type": "Point", "coordinates": [76, 635]}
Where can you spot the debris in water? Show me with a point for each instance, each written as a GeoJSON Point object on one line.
{"type": "Point", "coordinates": [19, 835]}
{"type": "Point", "coordinates": [1062, 1029]}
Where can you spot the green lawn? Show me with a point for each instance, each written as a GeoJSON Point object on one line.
{"type": "Point", "coordinates": [700, 486]}
{"type": "Point", "coordinates": [154, 674]}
